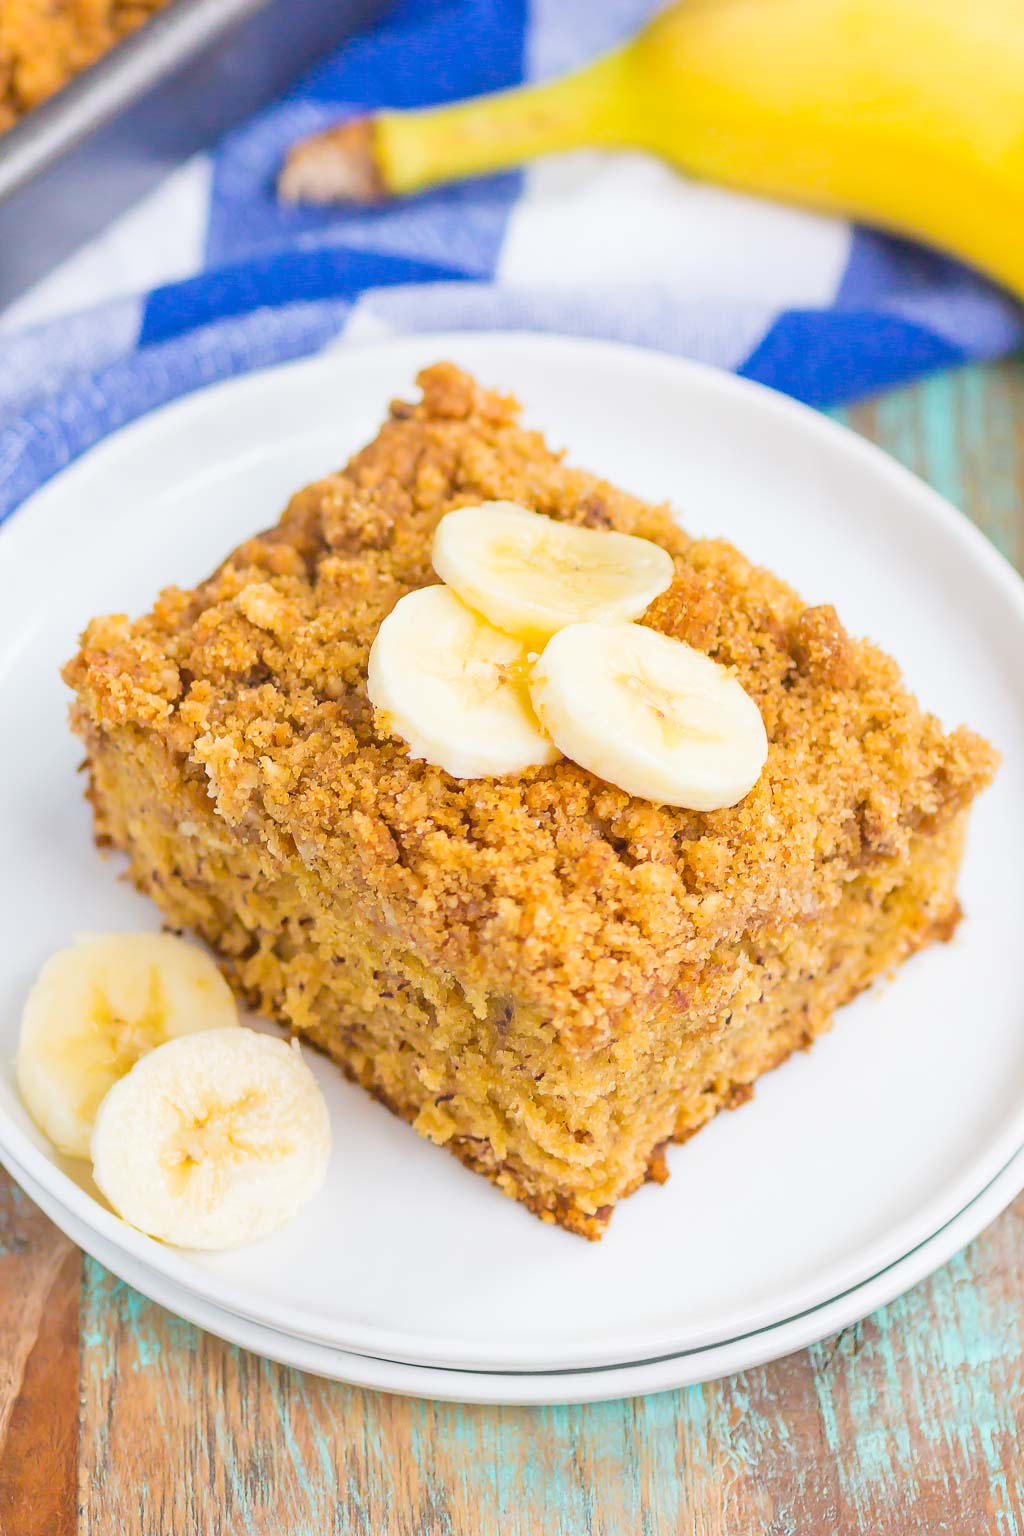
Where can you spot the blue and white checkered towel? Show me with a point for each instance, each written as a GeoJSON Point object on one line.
{"type": "Point", "coordinates": [599, 245]}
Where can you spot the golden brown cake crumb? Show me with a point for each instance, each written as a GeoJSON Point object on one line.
{"type": "Point", "coordinates": [549, 976]}
{"type": "Point", "coordinates": [43, 43]}
{"type": "Point", "coordinates": [822, 650]}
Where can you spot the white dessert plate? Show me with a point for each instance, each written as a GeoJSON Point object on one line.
{"type": "Point", "coordinates": [848, 1158]}
{"type": "Point", "coordinates": [535, 1388]}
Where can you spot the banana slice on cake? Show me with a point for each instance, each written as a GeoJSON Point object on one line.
{"type": "Point", "coordinates": [95, 1009]}
{"type": "Point", "coordinates": [455, 688]}
{"type": "Point", "coordinates": [649, 714]}
{"type": "Point", "coordinates": [213, 1140]}
{"type": "Point", "coordinates": [531, 576]}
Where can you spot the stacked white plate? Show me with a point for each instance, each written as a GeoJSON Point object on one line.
{"type": "Point", "coordinates": [856, 1170]}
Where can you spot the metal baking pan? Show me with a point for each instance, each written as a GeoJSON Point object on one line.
{"type": "Point", "coordinates": [190, 73]}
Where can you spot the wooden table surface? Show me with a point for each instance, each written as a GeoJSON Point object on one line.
{"type": "Point", "coordinates": [116, 1417]}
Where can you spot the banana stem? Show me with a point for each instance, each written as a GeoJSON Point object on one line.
{"type": "Point", "coordinates": [492, 133]}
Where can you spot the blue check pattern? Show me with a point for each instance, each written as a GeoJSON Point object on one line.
{"type": "Point", "coordinates": [277, 283]}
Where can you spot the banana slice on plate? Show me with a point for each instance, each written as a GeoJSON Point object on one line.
{"type": "Point", "coordinates": [532, 576]}
{"type": "Point", "coordinates": [455, 688]}
{"type": "Point", "coordinates": [650, 714]}
{"type": "Point", "coordinates": [212, 1140]}
{"type": "Point", "coordinates": [95, 1009]}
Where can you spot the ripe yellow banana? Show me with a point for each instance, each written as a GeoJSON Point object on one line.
{"type": "Point", "coordinates": [904, 113]}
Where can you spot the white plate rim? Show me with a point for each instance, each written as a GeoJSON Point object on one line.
{"type": "Point", "coordinates": [540, 1388]}
{"type": "Point", "coordinates": [436, 1349]}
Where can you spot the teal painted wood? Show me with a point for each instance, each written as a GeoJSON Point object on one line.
{"type": "Point", "coordinates": [963, 432]}
{"type": "Point", "coordinates": [908, 1423]}
{"type": "Point", "coordinates": [911, 1422]}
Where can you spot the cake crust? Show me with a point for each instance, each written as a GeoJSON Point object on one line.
{"type": "Point", "coordinates": [238, 710]}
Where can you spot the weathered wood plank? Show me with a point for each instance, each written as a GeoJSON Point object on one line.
{"type": "Point", "coordinates": [963, 432]}
{"type": "Point", "coordinates": [925, 1414]}
{"type": "Point", "coordinates": [911, 1422]}
{"type": "Point", "coordinates": [39, 1285]}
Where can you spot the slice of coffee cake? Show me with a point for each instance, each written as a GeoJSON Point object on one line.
{"type": "Point", "coordinates": [545, 974]}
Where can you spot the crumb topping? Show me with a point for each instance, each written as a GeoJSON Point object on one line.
{"type": "Point", "coordinates": [550, 886]}
{"type": "Point", "coordinates": [43, 43]}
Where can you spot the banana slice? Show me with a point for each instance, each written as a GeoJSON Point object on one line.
{"type": "Point", "coordinates": [532, 576]}
{"type": "Point", "coordinates": [650, 714]}
{"type": "Point", "coordinates": [212, 1140]}
{"type": "Point", "coordinates": [95, 1009]}
{"type": "Point", "coordinates": [455, 688]}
